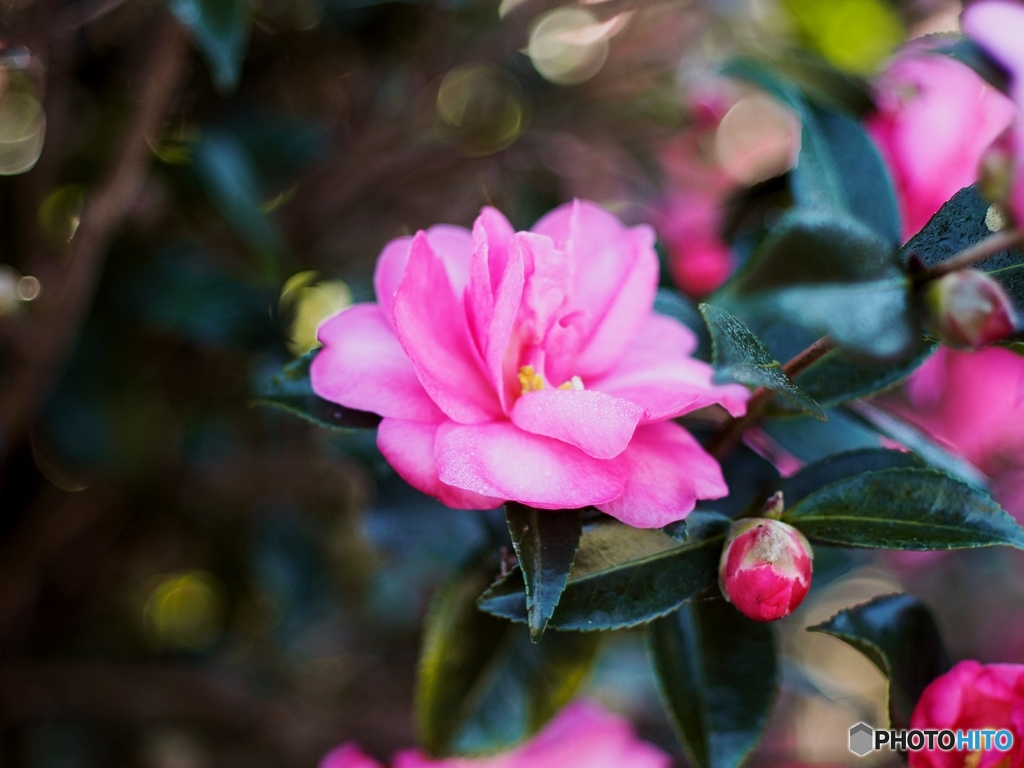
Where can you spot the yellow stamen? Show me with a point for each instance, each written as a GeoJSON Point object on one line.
{"type": "Point", "coordinates": [575, 383]}
{"type": "Point", "coordinates": [530, 380]}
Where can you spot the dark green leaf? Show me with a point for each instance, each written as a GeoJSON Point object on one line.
{"type": "Point", "coordinates": [220, 29]}
{"type": "Point", "coordinates": [824, 85]}
{"type": "Point", "coordinates": [838, 149]}
{"type": "Point", "coordinates": [717, 673]}
{"type": "Point", "coordinates": [959, 224]}
{"type": "Point", "coordinates": [227, 174]}
{"type": "Point", "coordinates": [821, 473]}
{"type": "Point", "coordinates": [839, 167]}
{"type": "Point", "coordinates": [974, 56]}
{"type": "Point", "coordinates": [741, 357]}
{"type": "Point", "coordinates": [917, 441]}
{"type": "Point", "coordinates": [483, 685]}
{"type": "Point", "coordinates": [836, 379]}
{"type": "Point", "coordinates": [699, 524]}
{"type": "Point", "coordinates": [546, 542]}
{"type": "Point", "coordinates": [291, 390]}
{"type": "Point", "coordinates": [898, 634]}
{"type": "Point", "coordinates": [832, 275]}
{"type": "Point", "coordinates": [621, 577]}
{"type": "Point", "coordinates": [809, 440]}
{"type": "Point", "coordinates": [907, 508]}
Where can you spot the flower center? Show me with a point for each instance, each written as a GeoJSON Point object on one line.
{"type": "Point", "coordinates": [531, 381]}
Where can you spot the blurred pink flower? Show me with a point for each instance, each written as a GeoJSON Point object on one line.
{"type": "Point", "coordinates": [531, 367]}
{"type": "Point", "coordinates": [934, 121]}
{"type": "Point", "coordinates": [582, 736]}
{"type": "Point", "coordinates": [998, 27]}
{"type": "Point", "coordinates": [973, 696]}
{"type": "Point", "coordinates": [973, 402]}
{"type": "Point", "coordinates": [690, 224]}
{"type": "Point", "coordinates": [690, 216]}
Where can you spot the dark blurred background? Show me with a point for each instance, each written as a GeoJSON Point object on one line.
{"type": "Point", "coordinates": [189, 578]}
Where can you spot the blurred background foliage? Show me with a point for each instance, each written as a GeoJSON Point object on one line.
{"type": "Point", "coordinates": [188, 579]}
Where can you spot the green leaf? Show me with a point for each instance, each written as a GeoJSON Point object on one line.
{"type": "Point", "coordinates": [823, 84]}
{"type": "Point", "coordinates": [832, 469]}
{"type": "Point", "coordinates": [904, 508]}
{"type": "Point", "coordinates": [810, 440]}
{"type": "Point", "coordinates": [621, 577]}
{"type": "Point", "coordinates": [220, 29]}
{"type": "Point", "coordinates": [741, 357]}
{"type": "Point", "coordinates": [545, 542]}
{"type": "Point", "coordinates": [831, 275]}
{"type": "Point", "coordinates": [836, 378]}
{"type": "Point", "coordinates": [839, 167]}
{"type": "Point", "coordinates": [229, 177]}
{"type": "Point", "coordinates": [483, 685]}
{"type": "Point", "coordinates": [291, 391]}
{"type": "Point", "coordinates": [898, 635]}
{"type": "Point", "coordinates": [974, 56]}
{"type": "Point", "coordinates": [917, 441]}
{"type": "Point", "coordinates": [717, 674]}
{"type": "Point", "coordinates": [699, 524]}
{"type": "Point", "coordinates": [959, 224]}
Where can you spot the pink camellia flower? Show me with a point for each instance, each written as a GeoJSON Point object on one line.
{"type": "Point", "coordinates": [973, 696]}
{"type": "Point", "coordinates": [935, 120]}
{"type": "Point", "coordinates": [765, 570]}
{"type": "Point", "coordinates": [582, 736]}
{"type": "Point", "coordinates": [529, 366]}
{"type": "Point", "coordinates": [998, 27]}
{"type": "Point", "coordinates": [973, 402]}
{"type": "Point", "coordinates": [968, 310]}
{"type": "Point", "coordinates": [699, 259]}
{"type": "Point", "coordinates": [690, 217]}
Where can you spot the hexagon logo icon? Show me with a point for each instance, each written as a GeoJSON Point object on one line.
{"type": "Point", "coordinates": [862, 737]}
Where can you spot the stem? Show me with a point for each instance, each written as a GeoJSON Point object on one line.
{"type": "Point", "coordinates": [1000, 241]}
{"type": "Point", "coordinates": [722, 444]}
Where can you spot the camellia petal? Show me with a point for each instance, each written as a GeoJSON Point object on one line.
{"type": "Point", "coordinates": [582, 735]}
{"type": "Point", "coordinates": [665, 380]}
{"type": "Point", "coordinates": [431, 326]}
{"type": "Point", "coordinates": [614, 274]}
{"type": "Point", "coordinates": [935, 119]}
{"type": "Point", "coordinates": [451, 244]}
{"type": "Point", "coordinates": [667, 471]}
{"type": "Point", "coordinates": [501, 460]}
{"type": "Point", "coordinates": [409, 448]}
{"type": "Point", "coordinates": [363, 366]}
{"type": "Point", "coordinates": [596, 423]}
{"type": "Point", "coordinates": [348, 756]}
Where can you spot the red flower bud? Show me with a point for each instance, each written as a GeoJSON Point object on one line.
{"type": "Point", "coordinates": [968, 310]}
{"type": "Point", "coordinates": [765, 570]}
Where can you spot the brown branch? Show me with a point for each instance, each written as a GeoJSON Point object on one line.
{"type": "Point", "coordinates": [724, 442]}
{"type": "Point", "coordinates": [990, 246]}
{"type": "Point", "coordinates": [49, 333]}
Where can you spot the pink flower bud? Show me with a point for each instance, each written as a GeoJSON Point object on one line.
{"type": "Point", "coordinates": [765, 570]}
{"type": "Point", "coordinates": [968, 310]}
{"type": "Point", "coordinates": [995, 174]}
